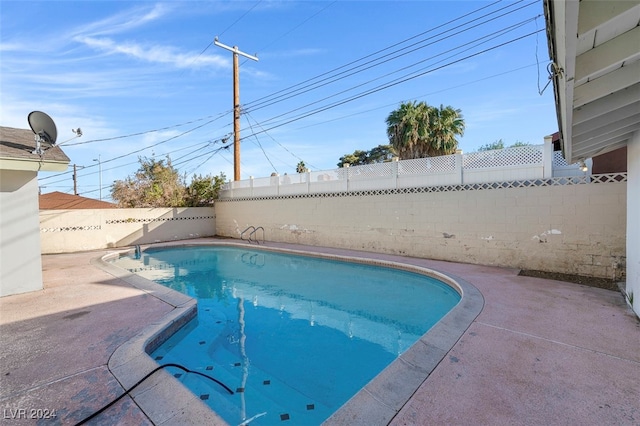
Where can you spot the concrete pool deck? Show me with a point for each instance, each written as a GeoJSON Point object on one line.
{"type": "Point", "coordinates": [539, 352]}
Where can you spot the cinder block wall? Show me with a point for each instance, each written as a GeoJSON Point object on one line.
{"type": "Point", "coordinates": [575, 229]}
{"type": "Point", "coordinates": [67, 231]}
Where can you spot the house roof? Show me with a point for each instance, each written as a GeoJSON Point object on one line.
{"type": "Point", "coordinates": [595, 69]}
{"type": "Point", "coordinates": [61, 201]}
{"type": "Point", "coordinates": [16, 152]}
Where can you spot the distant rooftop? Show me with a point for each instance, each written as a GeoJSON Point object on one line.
{"type": "Point", "coordinates": [61, 201]}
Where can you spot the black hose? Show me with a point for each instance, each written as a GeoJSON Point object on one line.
{"type": "Point", "coordinates": [145, 378]}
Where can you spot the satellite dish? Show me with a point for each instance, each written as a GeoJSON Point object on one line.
{"type": "Point", "coordinates": [44, 128]}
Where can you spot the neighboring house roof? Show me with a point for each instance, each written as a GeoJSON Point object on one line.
{"type": "Point", "coordinates": [595, 68]}
{"type": "Point", "coordinates": [61, 201]}
{"type": "Point", "coordinates": [16, 152]}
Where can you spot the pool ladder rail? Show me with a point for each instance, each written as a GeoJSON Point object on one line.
{"type": "Point", "coordinates": [254, 231]}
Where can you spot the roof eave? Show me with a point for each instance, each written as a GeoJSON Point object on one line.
{"type": "Point", "coordinates": [562, 19]}
{"type": "Point", "coordinates": [32, 166]}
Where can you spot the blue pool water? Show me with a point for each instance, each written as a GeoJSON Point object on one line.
{"type": "Point", "coordinates": [294, 337]}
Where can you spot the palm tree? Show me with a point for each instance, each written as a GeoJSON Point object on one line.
{"type": "Point", "coordinates": [406, 128]}
{"type": "Point", "coordinates": [446, 124]}
{"type": "Point", "coordinates": [301, 167]}
{"type": "Point", "coordinates": [417, 130]}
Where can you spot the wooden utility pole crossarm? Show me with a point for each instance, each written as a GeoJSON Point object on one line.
{"type": "Point", "coordinates": [236, 104]}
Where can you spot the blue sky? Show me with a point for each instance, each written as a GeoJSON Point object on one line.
{"type": "Point", "coordinates": [145, 79]}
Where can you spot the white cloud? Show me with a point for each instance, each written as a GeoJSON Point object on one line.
{"type": "Point", "coordinates": [11, 47]}
{"type": "Point", "coordinates": [154, 54]}
{"type": "Point", "coordinates": [124, 22]}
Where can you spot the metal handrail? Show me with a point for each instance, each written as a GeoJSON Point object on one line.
{"type": "Point", "coordinates": [243, 232]}
{"type": "Point", "coordinates": [254, 231]}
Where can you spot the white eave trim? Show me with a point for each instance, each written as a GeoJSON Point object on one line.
{"type": "Point", "coordinates": [33, 165]}
{"type": "Point", "coordinates": [566, 23]}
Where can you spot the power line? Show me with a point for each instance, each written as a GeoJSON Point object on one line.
{"type": "Point", "coordinates": [292, 29]}
{"type": "Point", "coordinates": [282, 146]}
{"type": "Point", "coordinates": [148, 131]}
{"type": "Point", "coordinates": [342, 101]}
{"type": "Point", "coordinates": [424, 95]}
{"type": "Point", "coordinates": [175, 163]}
{"type": "Point", "coordinates": [298, 26]}
{"type": "Point", "coordinates": [209, 157]}
{"type": "Point", "coordinates": [392, 83]}
{"type": "Point", "coordinates": [127, 164]}
{"type": "Point", "coordinates": [172, 164]}
{"type": "Point", "coordinates": [332, 76]}
{"type": "Point", "coordinates": [473, 43]}
{"type": "Point", "coordinates": [260, 145]}
{"type": "Point", "coordinates": [176, 160]}
{"type": "Point", "coordinates": [238, 20]}
{"type": "Point", "coordinates": [145, 148]}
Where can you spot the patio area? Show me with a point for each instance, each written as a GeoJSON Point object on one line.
{"type": "Point", "coordinates": [540, 351]}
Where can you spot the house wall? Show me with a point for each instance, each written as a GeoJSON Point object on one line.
{"type": "Point", "coordinates": [64, 231]}
{"type": "Point", "coordinates": [20, 263]}
{"type": "Point", "coordinates": [633, 221]}
{"type": "Point", "coordinates": [575, 229]}
{"type": "Point", "coordinates": [611, 162]}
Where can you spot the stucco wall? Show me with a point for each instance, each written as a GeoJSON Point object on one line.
{"type": "Point", "coordinates": [577, 229]}
{"type": "Point", "coordinates": [64, 231]}
{"type": "Point", "coordinates": [20, 263]}
{"type": "Point", "coordinates": [633, 221]}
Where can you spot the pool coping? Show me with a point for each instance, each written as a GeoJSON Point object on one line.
{"type": "Point", "coordinates": [163, 398]}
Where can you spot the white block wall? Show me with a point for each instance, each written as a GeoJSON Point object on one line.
{"type": "Point", "coordinates": [574, 229]}
{"type": "Point", "coordinates": [20, 263]}
{"type": "Point", "coordinates": [66, 231]}
{"type": "Point", "coordinates": [633, 221]}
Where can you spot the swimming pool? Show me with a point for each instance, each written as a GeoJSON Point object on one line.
{"type": "Point", "coordinates": [295, 337]}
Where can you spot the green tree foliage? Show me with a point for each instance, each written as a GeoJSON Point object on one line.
{"type": "Point", "coordinates": [358, 158]}
{"type": "Point", "coordinates": [499, 144]}
{"type": "Point", "coordinates": [158, 184]}
{"type": "Point", "coordinates": [379, 154]}
{"type": "Point", "coordinates": [203, 190]}
{"type": "Point", "coordinates": [491, 146]}
{"type": "Point", "coordinates": [155, 184]}
{"type": "Point", "coordinates": [417, 130]}
{"type": "Point", "coordinates": [301, 167]}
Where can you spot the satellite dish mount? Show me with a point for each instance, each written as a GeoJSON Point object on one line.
{"type": "Point", "coordinates": [44, 129]}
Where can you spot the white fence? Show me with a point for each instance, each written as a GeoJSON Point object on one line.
{"type": "Point", "coordinates": [503, 165]}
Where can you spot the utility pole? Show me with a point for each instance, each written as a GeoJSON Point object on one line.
{"type": "Point", "coordinates": [75, 180]}
{"type": "Point", "coordinates": [99, 160]}
{"type": "Point", "coordinates": [236, 104]}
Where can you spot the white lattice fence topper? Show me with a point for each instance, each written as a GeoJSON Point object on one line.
{"type": "Point", "coordinates": [419, 166]}
{"type": "Point", "coordinates": [371, 171]}
{"type": "Point", "coordinates": [503, 157]}
{"type": "Point", "coordinates": [559, 160]}
{"type": "Point", "coordinates": [327, 175]}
